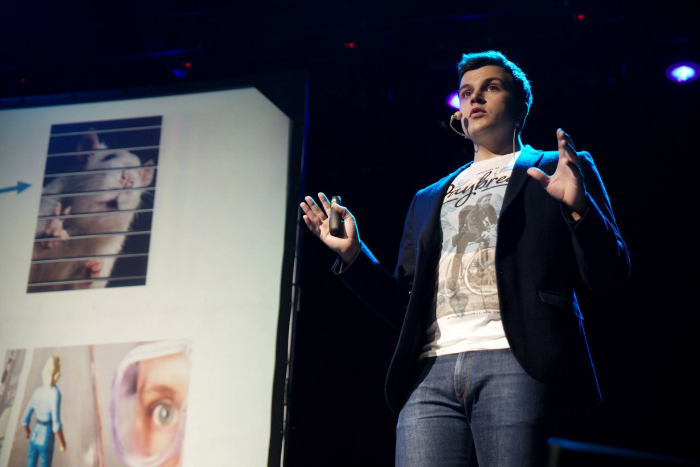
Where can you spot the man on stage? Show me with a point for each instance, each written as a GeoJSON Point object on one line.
{"type": "Point", "coordinates": [492, 357]}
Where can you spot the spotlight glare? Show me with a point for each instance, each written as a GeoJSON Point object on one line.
{"type": "Point", "coordinates": [683, 72]}
{"type": "Point", "coordinates": [453, 100]}
{"type": "Point", "coordinates": [180, 73]}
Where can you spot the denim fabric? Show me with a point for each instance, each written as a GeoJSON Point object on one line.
{"type": "Point", "coordinates": [41, 452]}
{"type": "Point", "coordinates": [476, 405]}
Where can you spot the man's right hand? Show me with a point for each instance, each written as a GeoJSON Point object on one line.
{"type": "Point", "coordinates": [317, 220]}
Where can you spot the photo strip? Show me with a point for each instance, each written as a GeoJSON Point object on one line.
{"type": "Point", "coordinates": [121, 405]}
{"type": "Point", "coordinates": [96, 209]}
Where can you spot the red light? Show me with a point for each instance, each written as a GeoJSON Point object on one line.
{"type": "Point", "coordinates": [188, 65]}
{"type": "Point", "coordinates": [349, 45]}
{"type": "Point", "coordinates": [580, 17]}
{"type": "Point", "coordinates": [22, 80]}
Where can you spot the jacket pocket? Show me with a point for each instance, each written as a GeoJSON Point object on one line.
{"type": "Point", "coordinates": [561, 300]}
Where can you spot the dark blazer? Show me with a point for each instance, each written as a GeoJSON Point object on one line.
{"type": "Point", "coordinates": [542, 259]}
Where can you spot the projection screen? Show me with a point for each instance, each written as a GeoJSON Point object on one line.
{"type": "Point", "coordinates": [146, 280]}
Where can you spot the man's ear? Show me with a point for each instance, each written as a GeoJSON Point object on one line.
{"type": "Point", "coordinates": [522, 113]}
{"type": "Point", "coordinates": [520, 117]}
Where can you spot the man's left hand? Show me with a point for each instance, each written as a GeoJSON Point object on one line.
{"type": "Point", "coordinates": [566, 184]}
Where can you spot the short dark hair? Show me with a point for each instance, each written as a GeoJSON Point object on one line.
{"type": "Point", "coordinates": [473, 61]}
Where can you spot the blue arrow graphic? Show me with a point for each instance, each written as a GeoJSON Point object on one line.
{"type": "Point", "coordinates": [20, 187]}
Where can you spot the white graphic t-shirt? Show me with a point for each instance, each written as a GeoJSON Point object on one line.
{"type": "Point", "coordinates": [466, 314]}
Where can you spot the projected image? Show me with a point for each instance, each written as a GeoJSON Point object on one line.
{"type": "Point", "coordinates": [95, 215]}
{"type": "Point", "coordinates": [148, 404]}
{"type": "Point", "coordinates": [116, 405]}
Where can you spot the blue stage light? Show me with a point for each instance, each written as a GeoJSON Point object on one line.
{"type": "Point", "coordinates": [683, 72]}
{"type": "Point", "coordinates": [453, 100]}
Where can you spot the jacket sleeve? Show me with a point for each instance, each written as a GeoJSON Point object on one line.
{"type": "Point", "coordinates": [601, 253]}
{"type": "Point", "coordinates": [385, 293]}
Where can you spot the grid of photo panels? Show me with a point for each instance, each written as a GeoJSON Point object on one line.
{"type": "Point", "coordinates": [96, 209]}
{"type": "Point", "coordinates": [110, 405]}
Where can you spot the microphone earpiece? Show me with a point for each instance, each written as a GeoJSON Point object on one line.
{"type": "Point", "coordinates": [457, 116]}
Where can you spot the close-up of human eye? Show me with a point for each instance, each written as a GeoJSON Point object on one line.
{"type": "Point", "coordinates": [164, 413]}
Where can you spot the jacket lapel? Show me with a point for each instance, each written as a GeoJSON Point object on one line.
{"type": "Point", "coordinates": [528, 158]}
{"type": "Point", "coordinates": [431, 236]}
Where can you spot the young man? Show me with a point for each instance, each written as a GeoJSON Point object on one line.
{"type": "Point", "coordinates": [490, 371]}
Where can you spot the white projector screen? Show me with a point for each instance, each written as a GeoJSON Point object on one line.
{"type": "Point", "coordinates": [151, 254]}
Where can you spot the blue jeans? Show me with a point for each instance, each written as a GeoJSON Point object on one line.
{"type": "Point", "coordinates": [40, 452]}
{"type": "Point", "coordinates": [476, 406]}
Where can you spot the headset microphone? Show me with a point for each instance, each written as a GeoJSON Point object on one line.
{"type": "Point", "coordinates": [457, 116]}
{"type": "Point", "coordinates": [335, 223]}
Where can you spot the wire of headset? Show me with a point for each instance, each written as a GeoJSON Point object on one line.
{"type": "Point", "coordinates": [458, 116]}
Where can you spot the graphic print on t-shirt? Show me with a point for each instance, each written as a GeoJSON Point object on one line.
{"type": "Point", "coordinates": [469, 217]}
{"type": "Point", "coordinates": [467, 314]}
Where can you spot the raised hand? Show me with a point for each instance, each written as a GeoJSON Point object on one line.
{"type": "Point", "coordinates": [566, 184]}
{"type": "Point", "coordinates": [317, 219]}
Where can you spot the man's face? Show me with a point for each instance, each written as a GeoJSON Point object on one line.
{"type": "Point", "coordinates": [487, 102]}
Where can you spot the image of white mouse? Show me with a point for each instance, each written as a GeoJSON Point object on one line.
{"type": "Point", "coordinates": [86, 214]}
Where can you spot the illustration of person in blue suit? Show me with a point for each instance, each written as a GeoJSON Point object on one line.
{"type": "Point", "coordinates": [45, 403]}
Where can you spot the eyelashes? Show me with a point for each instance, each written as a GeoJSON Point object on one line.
{"type": "Point", "coordinates": [467, 93]}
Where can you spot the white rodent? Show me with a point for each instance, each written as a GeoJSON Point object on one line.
{"type": "Point", "coordinates": [112, 177]}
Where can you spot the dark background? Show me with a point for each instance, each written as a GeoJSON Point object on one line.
{"type": "Point", "coordinates": [377, 133]}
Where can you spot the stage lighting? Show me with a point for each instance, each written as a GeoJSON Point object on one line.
{"type": "Point", "coordinates": [180, 73]}
{"type": "Point", "coordinates": [453, 100]}
{"type": "Point", "coordinates": [683, 72]}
